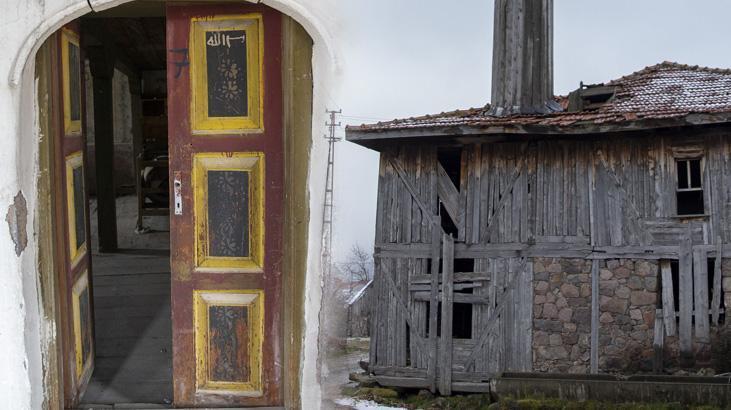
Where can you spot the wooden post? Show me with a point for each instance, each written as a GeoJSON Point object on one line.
{"type": "Point", "coordinates": [594, 358]}
{"type": "Point", "coordinates": [658, 342]}
{"type": "Point", "coordinates": [135, 91]}
{"type": "Point", "coordinates": [668, 298]}
{"type": "Point", "coordinates": [700, 298]}
{"type": "Point", "coordinates": [594, 342]}
{"type": "Point", "coordinates": [717, 292]}
{"type": "Point", "coordinates": [436, 246]}
{"type": "Point", "coordinates": [685, 285]}
{"type": "Point", "coordinates": [445, 348]}
{"type": "Point", "coordinates": [102, 71]}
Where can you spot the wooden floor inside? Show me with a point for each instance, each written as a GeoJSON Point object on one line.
{"type": "Point", "coordinates": [133, 329]}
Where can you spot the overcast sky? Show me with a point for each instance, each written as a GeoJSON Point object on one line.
{"type": "Point", "coordinates": [403, 58]}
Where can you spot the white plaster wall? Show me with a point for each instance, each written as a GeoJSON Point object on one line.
{"type": "Point", "coordinates": [24, 25]}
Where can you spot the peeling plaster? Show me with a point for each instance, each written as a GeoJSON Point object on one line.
{"type": "Point", "coordinates": [17, 219]}
{"type": "Point", "coordinates": [24, 25]}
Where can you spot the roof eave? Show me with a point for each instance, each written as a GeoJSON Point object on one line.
{"type": "Point", "coordinates": [374, 138]}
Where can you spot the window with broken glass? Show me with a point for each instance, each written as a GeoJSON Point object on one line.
{"type": "Point", "coordinates": [689, 191]}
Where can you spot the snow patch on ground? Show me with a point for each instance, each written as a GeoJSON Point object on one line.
{"type": "Point", "coordinates": [364, 404]}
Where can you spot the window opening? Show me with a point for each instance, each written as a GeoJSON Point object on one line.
{"type": "Point", "coordinates": [446, 221]}
{"type": "Point", "coordinates": [464, 265]}
{"type": "Point", "coordinates": [660, 286]}
{"type": "Point", "coordinates": [675, 273]}
{"type": "Point", "coordinates": [439, 318]}
{"type": "Point", "coordinates": [408, 344]}
{"type": "Point", "coordinates": [462, 317]}
{"type": "Point", "coordinates": [689, 192]}
{"type": "Point", "coordinates": [721, 304]}
{"type": "Point", "coordinates": [451, 160]}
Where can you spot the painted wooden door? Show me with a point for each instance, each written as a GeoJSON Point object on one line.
{"type": "Point", "coordinates": [225, 139]}
{"type": "Point", "coordinates": [72, 213]}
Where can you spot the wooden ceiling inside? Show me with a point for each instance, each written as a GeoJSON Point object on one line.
{"type": "Point", "coordinates": [136, 30]}
{"type": "Point", "coordinates": [140, 8]}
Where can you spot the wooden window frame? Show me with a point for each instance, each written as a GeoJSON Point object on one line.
{"type": "Point", "coordinates": [253, 163]}
{"type": "Point", "coordinates": [83, 364]}
{"type": "Point", "coordinates": [687, 160]}
{"type": "Point", "coordinates": [201, 123]}
{"type": "Point", "coordinates": [254, 301]}
{"type": "Point", "coordinates": [73, 161]}
{"type": "Point", "coordinates": [71, 127]}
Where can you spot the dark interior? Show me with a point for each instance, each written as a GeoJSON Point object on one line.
{"type": "Point", "coordinates": [125, 51]}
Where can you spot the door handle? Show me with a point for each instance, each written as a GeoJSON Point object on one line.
{"type": "Point", "coordinates": [177, 195]}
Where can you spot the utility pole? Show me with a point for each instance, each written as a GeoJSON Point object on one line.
{"type": "Point", "coordinates": [327, 212]}
{"type": "Point", "coordinates": [328, 288]}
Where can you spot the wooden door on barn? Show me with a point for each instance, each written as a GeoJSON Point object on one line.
{"type": "Point", "coordinates": [444, 317]}
{"type": "Point", "coordinates": [225, 141]}
{"type": "Point", "coordinates": [71, 208]}
{"type": "Point", "coordinates": [484, 321]}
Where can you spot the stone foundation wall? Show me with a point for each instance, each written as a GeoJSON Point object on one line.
{"type": "Point", "coordinates": [628, 297]}
{"type": "Point", "coordinates": [627, 301]}
{"type": "Point", "coordinates": [561, 315]}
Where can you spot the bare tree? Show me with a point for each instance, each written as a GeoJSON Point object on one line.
{"type": "Point", "coordinates": [359, 265]}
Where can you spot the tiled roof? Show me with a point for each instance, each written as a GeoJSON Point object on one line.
{"type": "Point", "coordinates": [663, 91]}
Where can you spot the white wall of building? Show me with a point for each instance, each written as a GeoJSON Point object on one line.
{"type": "Point", "coordinates": [24, 25]}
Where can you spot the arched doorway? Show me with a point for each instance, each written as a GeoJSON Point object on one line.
{"type": "Point", "coordinates": [250, 308]}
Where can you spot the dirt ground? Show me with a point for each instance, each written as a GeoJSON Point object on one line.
{"type": "Point", "coordinates": [341, 362]}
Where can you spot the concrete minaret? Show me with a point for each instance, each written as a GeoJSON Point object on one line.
{"type": "Point", "coordinates": [522, 59]}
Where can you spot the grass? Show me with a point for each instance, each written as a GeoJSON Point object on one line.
{"type": "Point", "coordinates": [558, 404]}
{"type": "Point", "coordinates": [411, 400]}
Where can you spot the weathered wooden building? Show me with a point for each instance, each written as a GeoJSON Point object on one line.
{"type": "Point", "coordinates": [517, 237]}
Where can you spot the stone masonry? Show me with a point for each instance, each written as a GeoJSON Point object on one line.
{"type": "Point", "coordinates": [628, 297]}
{"type": "Point", "coordinates": [561, 315]}
{"type": "Point", "coordinates": [627, 302]}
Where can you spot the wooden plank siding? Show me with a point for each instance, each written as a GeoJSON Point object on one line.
{"type": "Point", "coordinates": [544, 190]}
{"type": "Point", "coordinates": [668, 298]}
{"type": "Point", "coordinates": [603, 198]}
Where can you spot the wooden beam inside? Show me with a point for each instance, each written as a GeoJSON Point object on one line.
{"type": "Point", "coordinates": [102, 71]}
